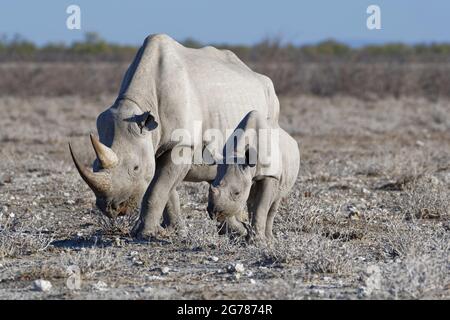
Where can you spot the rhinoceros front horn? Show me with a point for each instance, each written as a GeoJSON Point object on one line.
{"type": "Point", "coordinates": [100, 183]}
{"type": "Point", "coordinates": [105, 155]}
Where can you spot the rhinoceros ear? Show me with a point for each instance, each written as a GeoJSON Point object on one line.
{"type": "Point", "coordinates": [146, 121]}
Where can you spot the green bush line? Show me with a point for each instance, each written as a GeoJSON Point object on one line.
{"type": "Point", "coordinates": [95, 48]}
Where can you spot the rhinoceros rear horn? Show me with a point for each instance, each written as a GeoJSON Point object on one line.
{"type": "Point", "coordinates": [98, 182]}
{"type": "Point", "coordinates": [105, 155]}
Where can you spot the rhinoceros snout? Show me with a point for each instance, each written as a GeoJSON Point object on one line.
{"type": "Point", "coordinates": [214, 212]}
{"type": "Point", "coordinates": [112, 209]}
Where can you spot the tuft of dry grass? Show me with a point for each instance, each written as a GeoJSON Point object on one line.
{"type": "Point", "coordinates": [18, 238]}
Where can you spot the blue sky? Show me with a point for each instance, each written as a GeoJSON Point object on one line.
{"type": "Point", "coordinates": [231, 21]}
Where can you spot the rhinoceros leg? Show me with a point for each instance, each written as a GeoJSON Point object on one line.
{"type": "Point", "coordinates": [171, 216]}
{"type": "Point", "coordinates": [270, 217]}
{"type": "Point", "coordinates": [259, 205]}
{"type": "Point", "coordinates": [167, 176]}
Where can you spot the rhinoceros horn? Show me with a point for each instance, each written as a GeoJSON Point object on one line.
{"type": "Point", "coordinates": [105, 155]}
{"type": "Point", "coordinates": [99, 182]}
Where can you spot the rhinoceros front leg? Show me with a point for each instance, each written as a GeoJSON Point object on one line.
{"type": "Point", "coordinates": [262, 198]}
{"type": "Point", "coordinates": [167, 176]}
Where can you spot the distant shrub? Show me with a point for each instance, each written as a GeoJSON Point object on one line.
{"type": "Point", "coordinates": [324, 69]}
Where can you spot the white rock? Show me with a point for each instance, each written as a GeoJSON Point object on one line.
{"type": "Point", "coordinates": [42, 285]}
{"type": "Point", "coordinates": [100, 286]}
{"type": "Point", "coordinates": [165, 270]}
{"type": "Point", "coordinates": [12, 215]}
{"type": "Point", "coordinates": [214, 258]}
{"type": "Point", "coordinates": [134, 253]}
{"type": "Point", "coordinates": [239, 267]}
{"type": "Point", "coordinates": [66, 194]}
{"type": "Point", "coordinates": [252, 281]}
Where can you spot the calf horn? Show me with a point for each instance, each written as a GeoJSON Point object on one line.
{"type": "Point", "coordinates": [98, 182]}
{"type": "Point", "coordinates": [105, 155]}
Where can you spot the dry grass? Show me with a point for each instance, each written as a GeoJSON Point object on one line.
{"type": "Point", "coordinates": [368, 217]}
{"type": "Point", "coordinates": [363, 80]}
{"type": "Point", "coordinates": [20, 239]}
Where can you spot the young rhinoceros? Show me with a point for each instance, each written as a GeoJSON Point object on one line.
{"type": "Point", "coordinates": [245, 179]}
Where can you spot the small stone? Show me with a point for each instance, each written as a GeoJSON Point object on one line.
{"type": "Point", "coordinates": [100, 286]}
{"type": "Point", "coordinates": [70, 202]}
{"type": "Point", "coordinates": [252, 281]}
{"type": "Point", "coordinates": [42, 285]}
{"type": "Point", "coordinates": [165, 270]}
{"type": "Point", "coordinates": [420, 143]}
{"type": "Point", "coordinates": [134, 253]}
{"type": "Point", "coordinates": [354, 215]}
{"type": "Point", "coordinates": [117, 241]}
{"type": "Point", "coordinates": [66, 194]}
{"type": "Point", "coordinates": [12, 215]}
{"type": "Point", "coordinates": [214, 258]}
{"type": "Point", "coordinates": [136, 261]}
{"type": "Point", "coordinates": [239, 267]}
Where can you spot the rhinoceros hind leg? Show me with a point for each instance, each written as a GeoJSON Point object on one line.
{"type": "Point", "coordinates": [172, 220]}
{"type": "Point", "coordinates": [270, 218]}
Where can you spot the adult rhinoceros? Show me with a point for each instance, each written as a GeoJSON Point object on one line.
{"type": "Point", "coordinates": [168, 87]}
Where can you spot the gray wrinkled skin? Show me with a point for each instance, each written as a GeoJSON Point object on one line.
{"type": "Point", "coordinates": [169, 87]}
{"type": "Point", "coordinates": [240, 186]}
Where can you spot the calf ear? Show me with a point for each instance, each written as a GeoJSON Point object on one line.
{"type": "Point", "coordinates": [250, 157]}
{"type": "Point", "coordinates": [147, 121]}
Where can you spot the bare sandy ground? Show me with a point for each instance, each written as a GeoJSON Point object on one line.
{"type": "Point", "coordinates": [369, 216]}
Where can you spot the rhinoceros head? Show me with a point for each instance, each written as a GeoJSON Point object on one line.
{"type": "Point", "coordinates": [125, 162]}
{"type": "Point", "coordinates": [230, 189]}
